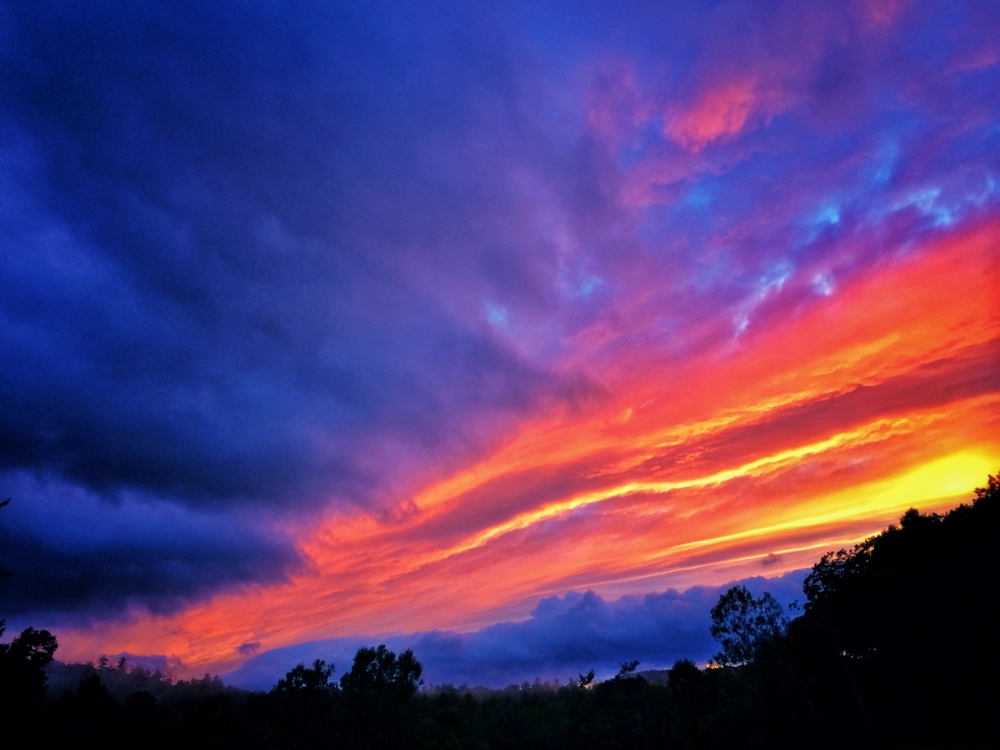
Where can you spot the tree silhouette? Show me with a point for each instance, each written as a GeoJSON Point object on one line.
{"type": "Point", "coordinates": [378, 695]}
{"type": "Point", "coordinates": [627, 668]}
{"type": "Point", "coordinates": [897, 628]}
{"type": "Point", "coordinates": [22, 673]}
{"type": "Point", "coordinates": [990, 492]}
{"type": "Point", "coordinates": [380, 672]}
{"type": "Point", "coordinates": [304, 703]}
{"type": "Point", "coordinates": [301, 680]}
{"type": "Point", "coordinates": [745, 626]}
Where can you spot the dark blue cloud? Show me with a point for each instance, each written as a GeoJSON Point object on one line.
{"type": "Point", "coordinates": [246, 256]}
{"type": "Point", "coordinates": [564, 636]}
{"type": "Point", "coordinates": [69, 550]}
{"type": "Point", "coordinates": [208, 293]}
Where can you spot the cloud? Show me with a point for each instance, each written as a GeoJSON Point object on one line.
{"type": "Point", "coordinates": [718, 113]}
{"type": "Point", "coordinates": [243, 261]}
{"type": "Point", "coordinates": [226, 300]}
{"type": "Point", "coordinates": [269, 281]}
{"type": "Point", "coordinates": [564, 636]}
{"type": "Point", "coordinates": [248, 649]}
{"type": "Point", "coordinates": [71, 551]}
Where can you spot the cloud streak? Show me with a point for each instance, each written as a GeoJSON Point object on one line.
{"type": "Point", "coordinates": [394, 319]}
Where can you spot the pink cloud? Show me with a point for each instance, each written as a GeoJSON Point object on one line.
{"type": "Point", "coordinates": [719, 112]}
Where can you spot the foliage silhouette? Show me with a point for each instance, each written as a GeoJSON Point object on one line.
{"type": "Point", "coordinates": [745, 626]}
{"type": "Point", "coordinates": [627, 668]}
{"type": "Point", "coordinates": [378, 671]}
{"type": "Point", "coordinates": [301, 681]}
{"type": "Point", "coordinates": [899, 627]}
{"type": "Point", "coordinates": [22, 674]}
{"type": "Point", "coordinates": [378, 698]}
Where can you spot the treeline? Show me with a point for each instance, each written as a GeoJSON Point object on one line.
{"type": "Point", "coordinates": [893, 647]}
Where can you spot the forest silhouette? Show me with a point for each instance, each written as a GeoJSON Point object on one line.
{"type": "Point", "coordinates": [893, 646]}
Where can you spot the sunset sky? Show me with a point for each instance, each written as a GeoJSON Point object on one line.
{"type": "Point", "coordinates": [508, 332]}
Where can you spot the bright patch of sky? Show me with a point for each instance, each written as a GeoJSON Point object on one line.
{"type": "Point", "coordinates": [822, 283]}
{"type": "Point", "coordinates": [886, 164]}
{"type": "Point", "coordinates": [496, 314]}
{"type": "Point", "coordinates": [769, 282]}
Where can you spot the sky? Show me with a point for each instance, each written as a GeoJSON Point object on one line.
{"type": "Point", "coordinates": [512, 333]}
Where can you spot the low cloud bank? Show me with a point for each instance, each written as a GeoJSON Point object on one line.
{"type": "Point", "coordinates": [563, 636]}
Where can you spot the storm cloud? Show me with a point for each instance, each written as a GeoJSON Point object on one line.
{"type": "Point", "coordinates": [225, 232]}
